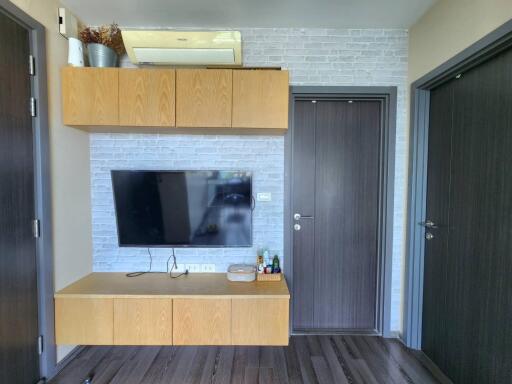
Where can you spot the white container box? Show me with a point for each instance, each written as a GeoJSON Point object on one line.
{"type": "Point", "coordinates": [241, 272]}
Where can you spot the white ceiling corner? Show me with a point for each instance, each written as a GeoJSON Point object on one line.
{"type": "Point", "coordinates": [251, 13]}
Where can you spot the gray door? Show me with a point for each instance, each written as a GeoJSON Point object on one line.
{"type": "Point", "coordinates": [18, 279]}
{"type": "Point", "coordinates": [467, 309]}
{"type": "Point", "coordinates": [335, 181]}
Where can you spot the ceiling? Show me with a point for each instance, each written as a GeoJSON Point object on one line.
{"type": "Point", "coordinates": [251, 13]}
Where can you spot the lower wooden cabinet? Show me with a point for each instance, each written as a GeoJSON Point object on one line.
{"type": "Point", "coordinates": [202, 321]}
{"type": "Point", "coordinates": [260, 321]}
{"type": "Point", "coordinates": [143, 321]}
{"type": "Point", "coordinates": [84, 321]}
{"type": "Point", "coordinates": [171, 321]}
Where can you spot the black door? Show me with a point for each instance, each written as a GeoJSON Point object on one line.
{"type": "Point", "coordinates": [18, 279]}
{"type": "Point", "coordinates": [335, 203]}
{"type": "Point", "coordinates": [468, 262]}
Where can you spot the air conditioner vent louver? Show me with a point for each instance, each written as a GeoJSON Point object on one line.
{"type": "Point", "coordinates": [222, 48]}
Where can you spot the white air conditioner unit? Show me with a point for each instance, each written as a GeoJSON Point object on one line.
{"type": "Point", "coordinates": [163, 47]}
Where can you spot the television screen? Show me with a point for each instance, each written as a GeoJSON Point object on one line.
{"type": "Point", "coordinates": [183, 208]}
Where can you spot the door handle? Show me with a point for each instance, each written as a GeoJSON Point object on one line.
{"type": "Point", "coordinates": [428, 224]}
{"type": "Point", "coordinates": [298, 216]}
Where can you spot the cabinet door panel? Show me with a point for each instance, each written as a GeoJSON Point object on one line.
{"type": "Point", "coordinates": [147, 97]}
{"type": "Point", "coordinates": [260, 99]}
{"type": "Point", "coordinates": [202, 321]}
{"type": "Point", "coordinates": [90, 96]}
{"type": "Point", "coordinates": [143, 321]}
{"type": "Point", "coordinates": [260, 321]}
{"type": "Point", "coordinates": [84, 321]}
{"type": "Point", "coordinates": [204, 97]}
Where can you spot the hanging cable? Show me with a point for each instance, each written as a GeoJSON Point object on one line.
{"type": "Point", "coordinates": [175, 265]}
{"type": "Point", "coordinates": [135, 274]}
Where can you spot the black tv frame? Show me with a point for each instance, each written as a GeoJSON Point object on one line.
{"type": "Point", "coordinates": [170, 246]}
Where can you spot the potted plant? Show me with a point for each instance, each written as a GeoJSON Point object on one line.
{"type": "Point", "coordinates": [104, 44]}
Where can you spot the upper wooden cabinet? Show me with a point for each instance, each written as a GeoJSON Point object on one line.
{"type": "Point", "coordinates": [90, 96]}
{"type": "Point", "coordinates": [204, 97]}
{"type": "Point", "coordinates": [260, 99]}
{"type": "Point", "coordinates": [147, 97]}
{"type": "Point", "coordinates": [185, 98]}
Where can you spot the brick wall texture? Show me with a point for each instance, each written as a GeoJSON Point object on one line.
{"type": "Point", "coordinates": [340, 57]}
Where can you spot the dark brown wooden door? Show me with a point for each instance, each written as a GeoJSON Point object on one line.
{"type": "Point", "coordinates": [336, 191]}
{"type": "Point", "coordinates": [468, 285]}
{"type": "Point", "coordinates": [439, 155]}
{"type": "Point", "coordinates": [18, 279]}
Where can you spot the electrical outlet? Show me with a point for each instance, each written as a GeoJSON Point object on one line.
{"type": "Point", "coordinates": [193, 268]}
{"type": "Point", "coordinates": [208, 268]}
{"type": "Point", "coordinates": [264, 196]}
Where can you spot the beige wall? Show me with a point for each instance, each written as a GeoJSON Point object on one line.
{"type": "Point", "coordinates": [69, 148]}
{"type": "Point", "coordinates": [449, 27]}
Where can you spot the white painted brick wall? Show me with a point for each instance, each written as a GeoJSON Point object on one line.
{"type": "Point", "coordinates": [262, 155]}
{"type": "Point", "coordinates": [314, 57]}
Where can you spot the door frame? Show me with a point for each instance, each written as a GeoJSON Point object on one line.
{"type": "Point", "coordinates": [388, 97]}
{"type": "Point", "coordinates": [484, 49]}
{"type": "Point", "coordinates": [42, 186]}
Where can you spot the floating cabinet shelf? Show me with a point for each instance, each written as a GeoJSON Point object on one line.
{"type": "Point", "coordinates": [142, 321]}
{"type": "Point", "coordinates": [202, 322]}
{"type": "Point", "coordinates": [197, 309]}
{"type": "Point", "coordinates": [166, 98]}
{"type": "Point", "coordinates": [84, 321]}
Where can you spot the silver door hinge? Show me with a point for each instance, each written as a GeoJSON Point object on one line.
{"type": "Point", "coordinates": [36, 228]}
{"type": "Point", "coordinates": [40, 344]}
{"type": "Point", "coordinates": [33, 110]}
{"type": "Point", "coordinates": [31, 65]}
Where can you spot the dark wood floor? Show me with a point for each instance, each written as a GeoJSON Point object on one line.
{"type": "Point", "coordinates": [308, 359]}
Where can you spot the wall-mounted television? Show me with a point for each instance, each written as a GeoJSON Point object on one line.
{"type": "Point", "coordinates": [183, 208]}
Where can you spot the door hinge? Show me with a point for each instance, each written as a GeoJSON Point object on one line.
{"type": "Point", "coordinates": [33, 110]}
{"type": "Point", "coordinates": [31, 65]}
{"type": "Point", "coordinates": [40, 344]}
{"type": "Point", "coordinates": [36, 228]}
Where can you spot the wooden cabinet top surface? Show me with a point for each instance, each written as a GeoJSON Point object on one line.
{"type": "Point", "coordinates": [193, 285]}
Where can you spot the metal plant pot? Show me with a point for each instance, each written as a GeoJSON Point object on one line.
{"type": "Point", "coordinates": [101, 56]}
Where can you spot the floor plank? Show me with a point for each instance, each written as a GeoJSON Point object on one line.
{"type": "Point", "coordinates": [308, 359]}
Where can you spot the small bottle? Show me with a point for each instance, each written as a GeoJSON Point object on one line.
{"type": "Point", "coordinates": [275, 265]}
{"type": "Point", "coordinates": [260, 264]}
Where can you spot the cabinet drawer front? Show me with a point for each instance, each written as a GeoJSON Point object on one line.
{"type": "Point", "coordinates": [84, 321]}
{"type": "Point", "coordinates": [260, 321]}
{"type": "Point", "coordinates": [202, 321]}
{"type": "Point", "coordinates": [90, 96]}
{"type": "Point", "coordinates": [260, 99]}
{"type": "Point", "coordinates": [147, 97]}
{"type": "Point", "coordinates": [143, 321]}
{"type": "Point", "coordinates": [204, 97]}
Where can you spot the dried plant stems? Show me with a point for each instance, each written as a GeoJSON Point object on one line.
{"type": "Point", "coordinates": [108, 35]}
